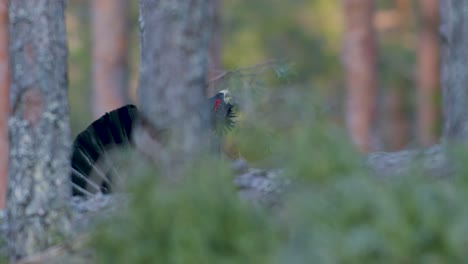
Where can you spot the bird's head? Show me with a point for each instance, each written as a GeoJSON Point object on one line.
{"type": "Point", "coordinates": [222, 111]}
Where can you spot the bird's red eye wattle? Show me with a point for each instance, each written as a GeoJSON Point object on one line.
{"type": "Point", "coordinates": [216, 104]}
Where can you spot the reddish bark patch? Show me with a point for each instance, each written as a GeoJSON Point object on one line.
{"type": "Point", "coordinates": [429, 113]}
{"type": "Point", "coordinates": [110, 57]}
{"type": "Point", "coordinates": [33, 106]}
{"type": "Point", "coordinates": [29, 52]}
{"type": "Point", "coordinates": [359, 55]}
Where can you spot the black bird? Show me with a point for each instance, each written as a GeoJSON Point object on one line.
{"type": "Point", "coordinates": [114, 130]}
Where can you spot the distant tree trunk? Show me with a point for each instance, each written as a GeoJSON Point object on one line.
{"type": "Point", "coordinates": [404, 10]}
{"type": "Point", "coordinates": [4, 100]}
{"type": "Point", "coordinates": [174, 39]}
{"type": "Point", "coordinates": [396, 127]}
{"type": "Point", "coordinates": [428, 73]}
{"type": "Point", "coordinates": [395, 120]}
{"type": "Point", "coordinates": [214, 62]}
{"type": "Point", "coordinates": [110, 54]}
{"type": "Point", "coordinates": [359, 54]}
{"type": "Point", "coordinates": [454, 63]}
{"type": "Point", "coordinates": [39, 184]}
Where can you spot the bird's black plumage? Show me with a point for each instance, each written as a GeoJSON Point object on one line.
{"type": "Point", "coordinates": [114, 130]}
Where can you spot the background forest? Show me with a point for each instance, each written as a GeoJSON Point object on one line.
{"type": "Point", "coordinates": [306, 36]}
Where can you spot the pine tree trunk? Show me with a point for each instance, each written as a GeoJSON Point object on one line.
{"type": "Point", "coordinates": [4, 100]}
{"type": "Point", "coordinates": [396, 128]}
{"type": "Point", "coordinates": [39, 183]}
{"type": "Point", "coordinates": [174, 39]}
{"type": "Point", "coordinates": [214, 62]}
{"type": "Point", "coordinates": [110, 55]}
{"type": "Point", "coordinates": [404, 11]}
{"type": "Point", "coordinates": [428, 73]}
{"type": "Point", "coordinates": [454, 63]}
{"type": "Point", "coordinates": [359, 55]}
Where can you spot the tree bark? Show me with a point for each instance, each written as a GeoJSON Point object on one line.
{"type": "Point", "coordinates": [359, 55]}
{"type": "Point", "coordinates": [214, 62]}
{"type": "Point", "coordinates": [454, 63]}
{"type": "Point", "coordinates": [4, 100]}
{"type": "Point", "coordinates": [428, 73]}
{"type": "Point", "coordinates": [404, 11]}
{"type": "Point", "coordinates": [39, 183]}
{"type": "Point", "coordinates": [396, 127]}
{"type": "Point", "coordinates": [110, 55]}
{"type": "Point", "coordinates": [394, 121]}
{"type": "Point", "coordinates": [174, 39]}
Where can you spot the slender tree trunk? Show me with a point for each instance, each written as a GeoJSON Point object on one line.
{"type": "Point", "coordinates": [395, 121]}
{"type": "Point", "coordinates": [404, 10]}
{"type": "Point", "coordinates": [110, 54]}
{"type": "Point", "coordinates": [428, 73]}
{"type": "Point", "coordinates": [454, 54]}
{"type": "Point", "coordinates": [396, 128]}
{"type": "Point", "coordinates": [174, 39]}
{"type": "Point", "coordinates": [39, 184]}
{"type": "Point", "coordinates": [214, 62]}
{"type": "Point", "coordinates": [359, 54]}
{"type": "Point", "coordinates": [4, 100]}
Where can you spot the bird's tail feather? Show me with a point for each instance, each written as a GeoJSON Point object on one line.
{"type": "Point", "coordinates": [90, 148]}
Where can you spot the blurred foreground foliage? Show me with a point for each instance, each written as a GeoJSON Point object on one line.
{"type": "Point", "coordinates": [188, 221]}
{"type": "Point", "coordinates": [335, 212]}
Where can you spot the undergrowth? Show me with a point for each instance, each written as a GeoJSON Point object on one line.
{"type": "Point", "coordinates": [336, 213]}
